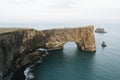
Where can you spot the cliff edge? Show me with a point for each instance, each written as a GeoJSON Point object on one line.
{"type": "Point", "coordinates": [16, 45]}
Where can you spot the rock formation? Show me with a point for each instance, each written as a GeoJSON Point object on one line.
{"type": "Point", "coordinates": [17, 45]}
{"type": "Point", "coordinates": [103, 44]}
{"type": "Point", "coordinates": [100, 30]}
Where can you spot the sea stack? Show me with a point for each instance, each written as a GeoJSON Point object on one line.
{"type": "Point", "coordinates": [100, 30]}
{"type": "Point", "coordinates": [103, 44]}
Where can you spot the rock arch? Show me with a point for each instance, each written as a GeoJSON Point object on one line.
{"type": "Point", "coordinates": [82, 36]}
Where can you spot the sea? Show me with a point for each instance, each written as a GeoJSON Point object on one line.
{"type": "Point", "coordinates": [70, 63]}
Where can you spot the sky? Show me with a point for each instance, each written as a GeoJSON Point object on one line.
{"type": "Point", "coordinates": [59, 11]}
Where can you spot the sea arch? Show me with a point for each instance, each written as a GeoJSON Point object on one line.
{"type": "Point", "coordinates": [70, 44]}
{"type": "Point", "coordinates": [82, 36]}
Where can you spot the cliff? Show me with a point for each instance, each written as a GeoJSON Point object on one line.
{"type": "Point", "coordinates": [17, 45]}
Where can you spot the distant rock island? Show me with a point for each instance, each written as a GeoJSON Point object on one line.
{"type": "Point", "coordinates": [18, 46]}
{"type": "Point", "coordinates": [100, 30]}
{"type": "Point", "coordinates": [103, 44]}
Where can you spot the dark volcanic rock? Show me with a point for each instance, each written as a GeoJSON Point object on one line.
{"type": "Point", "coordinates": [29, 58]}
{"type": "Point", "coordinates": [17, 44]}
{"type": "Point", "coordinates": [100, 30]}
{"type": "Point", "coordinates": [103, 44]}
{"type": "Point", "coordinates": [17, 47]}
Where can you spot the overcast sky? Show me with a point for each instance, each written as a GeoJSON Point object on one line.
{"type": "Point", "coordinates": [59, 10]}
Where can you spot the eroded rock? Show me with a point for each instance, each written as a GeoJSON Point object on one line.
{"type": "Point", "coordinates": [100, 30]}
{"type": "Point", "coordinates": [17, 47]}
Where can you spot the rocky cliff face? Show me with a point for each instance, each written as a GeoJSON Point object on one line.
{"type": "Point", "coordinates": [82, 36]}
{"type": "Point", "coordinates": [16, 46]}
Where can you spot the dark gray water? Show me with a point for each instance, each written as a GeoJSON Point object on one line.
{"type": "Point", "coordinates": [74, 64]}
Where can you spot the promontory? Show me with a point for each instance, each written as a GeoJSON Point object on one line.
{"type": "Point", "coordinates": [16, 44]}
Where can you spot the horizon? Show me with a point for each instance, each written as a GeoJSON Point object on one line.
{"type": "Point", "coordinates": [45, 26]}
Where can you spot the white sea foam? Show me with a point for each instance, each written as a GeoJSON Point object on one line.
{"type": "Point", "coordinates": [42, 49]}
{"type": "Point", "coordinates": [28, 71]}
{"type": "Point", "coordinates": [28, 74]}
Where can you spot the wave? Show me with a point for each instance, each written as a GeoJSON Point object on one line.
{"type": "Point", "coordinates": [28, 74]}
{"type": "Point", "coordinates": [28, 71]}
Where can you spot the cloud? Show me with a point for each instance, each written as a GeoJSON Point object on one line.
{"type": "Point", "coordinates": [19, 1]}
{"type": "Point", "coordinates": [63, 4]}
{"type": "Point", "coordinates": [59, 10]}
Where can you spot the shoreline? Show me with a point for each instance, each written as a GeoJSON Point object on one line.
{"type": "Point", "coordinates": [19, 74]}
{"type": "Point", "coordinates": [19, 48]}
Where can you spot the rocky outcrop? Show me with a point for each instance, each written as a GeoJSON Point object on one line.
{"type": "Point", "coordinates": [29, 58]}
{"type": "Point", "coordinates": [82, 36]}
{"type": "Point", "coordinates": [103, 44]}
{"type": "Point", "coordinates": [17, 46]}
{"type": "Point", "coordinates": [100, 30]}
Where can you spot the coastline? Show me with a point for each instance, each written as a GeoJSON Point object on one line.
{"type": "Point", "coordinates": [19, 47]}
{"type": "Point", "coordinates": [20, 74]}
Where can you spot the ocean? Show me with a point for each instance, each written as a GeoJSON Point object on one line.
{"type": "Point", "coordinates": [71, 63]}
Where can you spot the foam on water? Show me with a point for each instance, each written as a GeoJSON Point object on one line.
{"type": "Point", "coordinates": [28, 73]}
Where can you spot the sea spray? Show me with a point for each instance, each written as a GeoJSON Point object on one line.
{"type": "Point", "coordinates": [28, 74]}
{"type": "Point", "coordinates": [28, 71]}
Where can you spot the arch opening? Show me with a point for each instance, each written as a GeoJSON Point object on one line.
{"type": "Point", "coordinates": [69, 44]}
{"type": "Point", "coordinates": [70, 49]}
